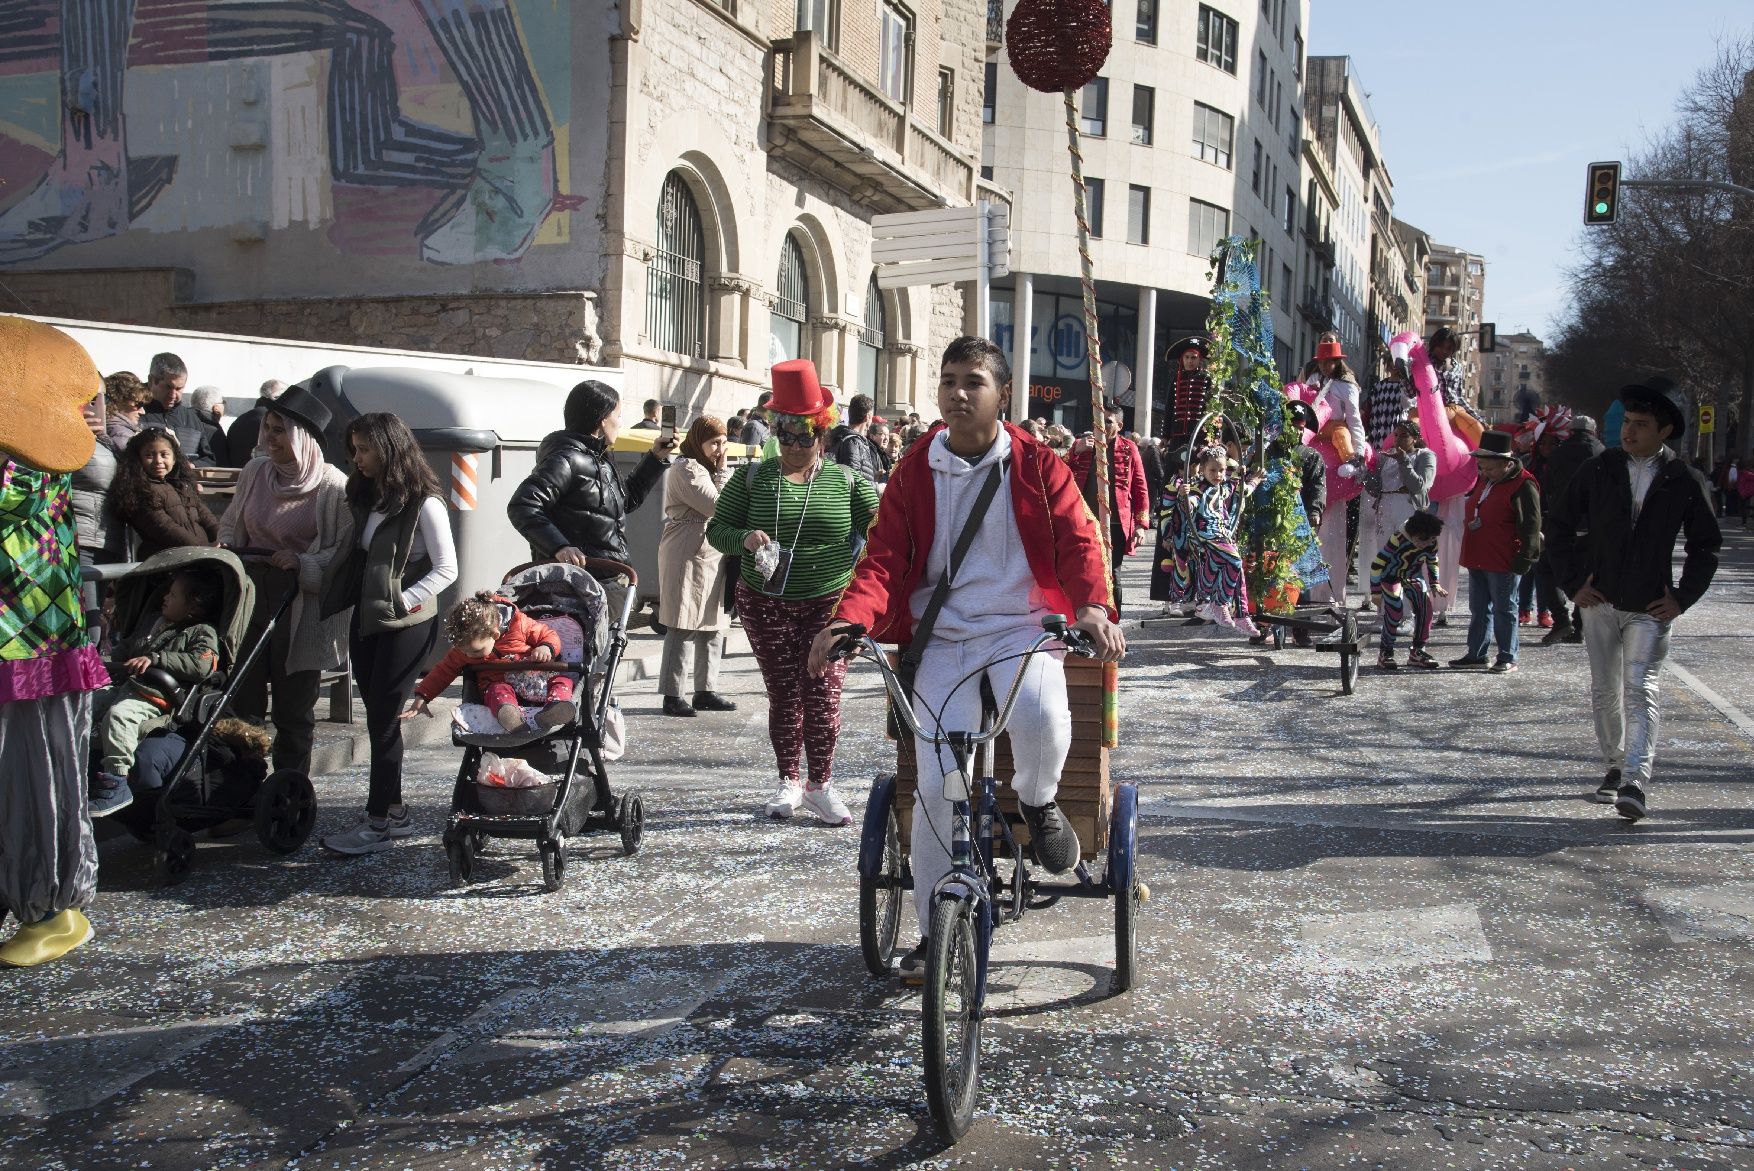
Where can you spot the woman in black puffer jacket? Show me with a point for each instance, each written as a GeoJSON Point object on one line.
{"type": "Point", "coordinates": [573, 505]}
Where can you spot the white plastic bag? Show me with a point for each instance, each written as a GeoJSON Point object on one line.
{"type": "Point", "coordinates": [508, 772]}
{"type": "Point", "coordinates": [614, 733]}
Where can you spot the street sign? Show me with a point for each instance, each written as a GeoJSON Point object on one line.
{"type": "Point", "coordinates": [1488, 337]}
{"type": "Point", "coordinates": [941, 246]}
{"type": "Point", "coordinates": [1707, 420]}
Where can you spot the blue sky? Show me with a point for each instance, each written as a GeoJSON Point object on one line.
{"type": "Point", "coordinates": [1490, 113]}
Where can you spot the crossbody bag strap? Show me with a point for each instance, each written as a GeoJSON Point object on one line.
{"type": "Point", "coordinates": [964, 539]}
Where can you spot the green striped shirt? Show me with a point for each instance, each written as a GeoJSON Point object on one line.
{"type": "Point", "coordinates": [841, 504]}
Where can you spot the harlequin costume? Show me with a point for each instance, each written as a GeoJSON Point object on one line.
{"type": "Point", "coordinates": [1204, 563]}
{"type": "Point", "coordinates": [1402, 578]}
{"type": "Point", "coordinates": [48, 669]}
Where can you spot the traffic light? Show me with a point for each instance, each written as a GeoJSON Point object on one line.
{"type": "Point", "coordinates": [1602, 194]}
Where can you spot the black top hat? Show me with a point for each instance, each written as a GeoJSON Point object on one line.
{"type": "Point", "coordinates": [1660, 397]}
{"type": "Point", "coordinates": [1494, 445]}
{"type": "Point", "coordinates": [298, 404]}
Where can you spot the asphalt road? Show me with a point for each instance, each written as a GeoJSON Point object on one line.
{"type": "Point", "coordinates": [1385, 931]}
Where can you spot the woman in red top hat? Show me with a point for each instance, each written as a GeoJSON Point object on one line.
{"type": "Point", "coordinates": [793, 519]}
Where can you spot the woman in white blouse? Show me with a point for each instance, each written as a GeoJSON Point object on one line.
{"type": "Point", "coordinates": [1340, 391]}
{"type": "Point", "coordinates": [401, 560]}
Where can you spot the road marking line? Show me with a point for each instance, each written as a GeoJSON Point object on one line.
{"type": "Point", "coordinates": [1743, 722]}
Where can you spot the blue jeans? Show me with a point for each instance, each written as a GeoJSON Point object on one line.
{"type": "Point", "coordinates": [1492, 599]}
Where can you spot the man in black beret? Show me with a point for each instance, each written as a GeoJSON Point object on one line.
{"type": "Point", "coordinates": [1633, 503]}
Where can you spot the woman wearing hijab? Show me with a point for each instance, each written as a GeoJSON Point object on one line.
{"type": "Point", "coordinates": [289, 520]}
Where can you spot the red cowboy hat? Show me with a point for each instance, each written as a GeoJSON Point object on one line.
{"type": "Point", "coordinates": [1326, 351]}
{"type": "Point", "coordinates": [796, 390]}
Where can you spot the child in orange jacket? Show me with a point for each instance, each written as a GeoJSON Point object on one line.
{"type": "Point", "coordinates": [490, 628]}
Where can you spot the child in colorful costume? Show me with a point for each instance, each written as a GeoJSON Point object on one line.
{"type": "Point", "coordinates": [48, 667]}
{"type": "Point", "coordinates": [1206, 563]}
{"type": "Point", "coordinates": [1401, 579]}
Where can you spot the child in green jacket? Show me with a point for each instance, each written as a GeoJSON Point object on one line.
{"type": "Point", "coordinates": [182, 643]}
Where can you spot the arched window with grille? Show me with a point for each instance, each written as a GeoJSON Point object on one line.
{"type": "Point", "coordinates": [873, 336]}
{"type": "Point", "coordinates": [791, 305]}
{"type": "Point", "coordinates": [676, 278]}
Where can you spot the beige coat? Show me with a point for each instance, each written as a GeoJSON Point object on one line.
{"type": "Point", "coordinates": [691, 573]}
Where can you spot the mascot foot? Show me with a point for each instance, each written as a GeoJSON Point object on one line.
{"type": "Point", "coordinates": [47, 940]}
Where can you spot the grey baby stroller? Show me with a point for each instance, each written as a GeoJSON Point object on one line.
{"type": "Point", "coordinates": [576, 796]}
{"type": "Point", "coordinates": [210, 784]}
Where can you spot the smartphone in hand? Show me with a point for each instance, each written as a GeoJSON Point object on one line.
{"type": "Point", "coordinates": [667, 424]}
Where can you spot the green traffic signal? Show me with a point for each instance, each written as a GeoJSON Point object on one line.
{"type": "Point", "coordinates": [1601, 193]}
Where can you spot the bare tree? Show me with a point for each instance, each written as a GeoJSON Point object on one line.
{"type": "Point", "coordinates": [1669, 288]}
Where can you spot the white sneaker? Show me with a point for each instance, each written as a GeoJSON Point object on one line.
{"type": "Point", "coordinates": [826, 804]}
{"type": "Point", "coordinates": [364, 838]}
{"type": "Point", "coordinates": [785, 800]}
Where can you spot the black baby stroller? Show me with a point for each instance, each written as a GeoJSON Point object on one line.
{"type": "Point", "coordinates": [571, 601]}
{"type": "Point", "coordinates": [210, 785]}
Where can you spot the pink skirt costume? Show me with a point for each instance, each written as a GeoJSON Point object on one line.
{"type": "Point", "coordinates": [48, 857]}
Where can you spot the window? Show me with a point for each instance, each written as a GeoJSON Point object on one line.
{"type": "Point", "coordinates": [987, 174]}
{"type": "Point", "coordinates": [990, 93]}
{"type": "Point", "coordinates": [1255, 182]}
{"type": "Point", "coordinates": [1215, 43]}
{"type": "Point", "coordinates": [1144, 113]}
{"type": "Point", "coordinates": [1290, 211]}
{"type": "Point", "coordinates": [1093, 204]}
{"type": "Point", "coordinates": [1296, 131]}
{"type": "Point", "coordinates": [1146, 31]}
{"type": "Point", "coordinates": [873, 336]}
{"type": "Point", "coordinates": [1093, 108]}
{"type": "Point", "coordinates": [1261, 78]}
{"type": "Point", "coordinates": [791, 307]}
{"type": "Point", "coordinates": [1297, 55]}
{"type": "Point", "coordinates": [1285, 285]}
{"type": "Point", "coordinates": [1278, 98]}
{"type": "Point", "coordinates": [1138, 214]}
{"type": "Point", "coordinates": [895, 55]}
{"type": "Point", "coordinates": [675, 284]}
{"type": "Point", "coordinates": [946, 102]}
{"type": "Point", "coordinates": [1207, 224]}
{"type": "Point", "coordinates": [823, 18]}
{"type": "Point", "coordinates": [1214, 135]}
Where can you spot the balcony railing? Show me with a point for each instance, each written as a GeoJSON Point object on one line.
{"type": "Point", "coordinates": [829, 121]}
{"type": "Point", "coordinates": [1317, 309]}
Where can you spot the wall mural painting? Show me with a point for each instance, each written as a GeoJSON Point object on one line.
{"type": "Point", "coordinates": [437, 118]}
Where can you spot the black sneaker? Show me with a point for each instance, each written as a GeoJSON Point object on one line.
{"type": "Point", "coordinates": [1574, 635]}
{"type": "Point", "coordinates": [1504, 666]}
{"type": "Point", "coordinates": [1609, 789]}
{"type": "Point", "coordinates": [1467, 661]}
{"type": "Point", "coordinates": [1301, 638]}
{"type": "Point", "coordinates": [1629, 803]}
{"type": "Point", "coordinates": [1051, 836]}
{"type": "Point", "coordinates": [1418, 658]}
{"type": "Point", "coordinates": [1556, 636]}
{"type": "Point", "coordinates": [712, 701]}
{"type": "Point", "coordinates": [675, 705]}
{"type": "Point", "coordinates": [912, 966]}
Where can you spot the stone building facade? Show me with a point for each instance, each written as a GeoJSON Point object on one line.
{"type": "Point", "coordinates": [1513, 378]}
{"type": "Point", "coordinates": [1455, 295]}
{"type": "Point", "coordinates": [680, 188]}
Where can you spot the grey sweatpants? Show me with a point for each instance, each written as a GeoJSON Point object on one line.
{"type": "Point", "coordinates": [48, 857]}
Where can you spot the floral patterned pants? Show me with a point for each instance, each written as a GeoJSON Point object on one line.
{"type": "Point", "coordinates": [803, 714]}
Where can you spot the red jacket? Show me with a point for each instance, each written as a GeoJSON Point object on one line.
{"type": "Point", "coordinates": [521, 635]}
{"type": "Point", "coordinates": [1059, 539]}
{"type": "Point", "coordinates": [1133, 502]}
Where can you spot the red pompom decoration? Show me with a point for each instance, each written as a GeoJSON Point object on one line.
{"type": "Point", "coordinates": [1057, 45]}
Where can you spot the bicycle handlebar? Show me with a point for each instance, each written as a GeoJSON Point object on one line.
{"type": "Point", "coordinates": [855, 642]}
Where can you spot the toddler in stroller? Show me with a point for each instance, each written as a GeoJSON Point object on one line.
{"type": "Point", "coordinates": [489, 629]}
{"type": "Point", "coordinates": [179, 650]}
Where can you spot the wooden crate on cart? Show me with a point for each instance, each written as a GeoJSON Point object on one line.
{"type": "Point", "coordinates": [1085, 792]}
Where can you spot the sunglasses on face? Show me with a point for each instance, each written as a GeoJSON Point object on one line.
{"type": "Point", "coordinates": [795, 438]}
